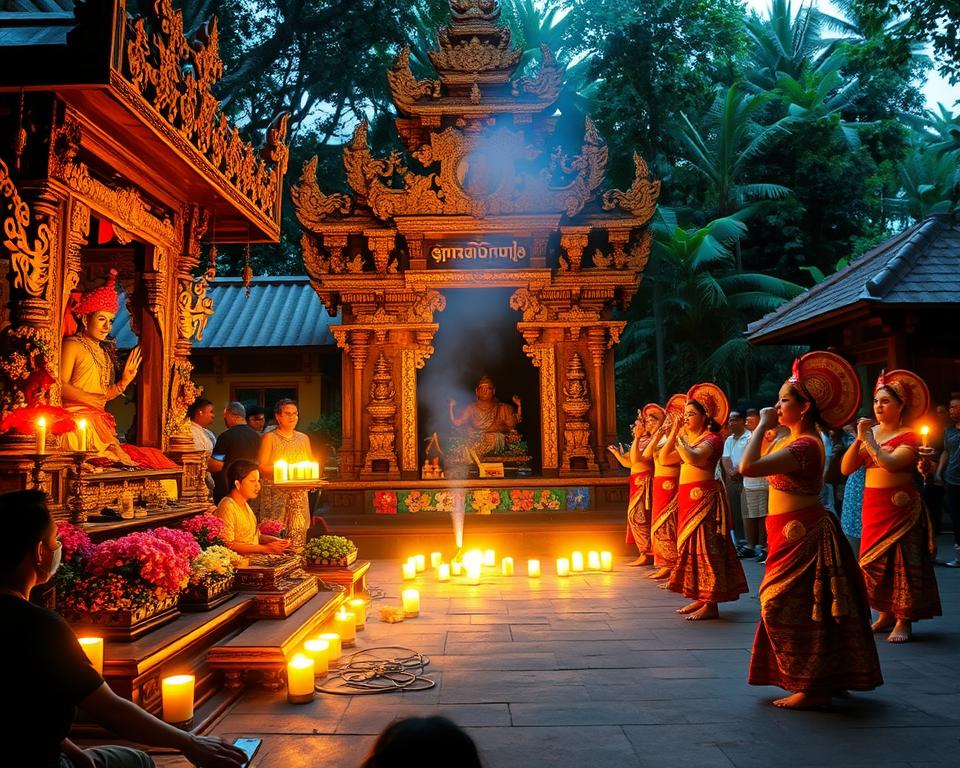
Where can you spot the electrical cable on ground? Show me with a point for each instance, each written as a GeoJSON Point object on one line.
{"type": "Point", "coordinates": [383, 669]}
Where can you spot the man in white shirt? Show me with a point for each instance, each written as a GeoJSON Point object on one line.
{"type": "Point", "coordinates": [733, 448]}
{"type": "Point", "coordinates": [200, 413]}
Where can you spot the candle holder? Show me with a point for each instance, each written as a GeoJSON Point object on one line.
{"type": "Point", "coordinates": [297, 523]}
{"type": "Point", "coordinates": [37, 473]}
{"type": "Point", "coordinates": [83, 498]}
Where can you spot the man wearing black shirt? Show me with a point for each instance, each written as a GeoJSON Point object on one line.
{"type": "Point", "coordinates": [238, 442]}
{"type": "Point", "coordinates": [48, 675]}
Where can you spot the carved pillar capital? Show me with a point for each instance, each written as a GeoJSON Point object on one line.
{"type": "Point", "coordinates": [381, 243]}
{"type": "Point", "coordinates": [573, 240]}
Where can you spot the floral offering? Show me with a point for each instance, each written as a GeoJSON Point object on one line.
{"type": "Point", "coordinates": [329, 550]}
{"type": "Point", "coordinates": [147, 561]}
{"type": "Point", "coordinates": [182, 542]}
{"type": "Point", "coordinates": [273, 528]}
{"type": "Point", "coordinates": [206, 529]}
{"type": "Point", "coordinates": [213, 564]}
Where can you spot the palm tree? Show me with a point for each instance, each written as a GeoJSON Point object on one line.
{"type": "Point", "coordinates": [784, 44]}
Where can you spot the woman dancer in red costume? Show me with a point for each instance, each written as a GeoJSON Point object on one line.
{"type": "Point", "coordinates": [708, 569]}
{"type": "Point", "coordinates": [814, 634]}
{"type": "Point", "coordinates": [896, 544]}
{"type": "Point", "coordinates": [666, 478]}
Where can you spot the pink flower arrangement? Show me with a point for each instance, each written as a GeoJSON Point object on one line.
{"type": "Point", "coordinates": [207, 529]}
{"type": "Point", "coordinates": [145, 557]}
{"type": "Point", "coordinates": [272, 528]}
{"type": "Point", "coordinates": [107, 593]}
{"type": "Point", "coordinates": [77, 546]}
{"type": "Point", "coordinates": [183, 543]}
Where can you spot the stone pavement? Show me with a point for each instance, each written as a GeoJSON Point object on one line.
{"type": "Point", "coordinates": [597, 670]}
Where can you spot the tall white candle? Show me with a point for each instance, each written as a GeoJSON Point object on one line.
{"type": "Point", "coordinates": [409, 570]}
{"type": "Point", "coordinates": [593, 561]}
{"type": "Point", "coordinates": [41, 435]}
{"type": "Point", "coordinates": [576, 562]}
{"type": "Point", "coordinates": [443, 572]}
{"type": "Point", "coordinates": [533, 569]}
{"type": "Point", "coordinates": [411, 603]}
{"type": "Point", "coordinates": [606, 561]}
{"type": "Point", "coordinates": [421, 563]}
{"type": "Point", "coordinates": [333, 640]}
{"type": "Point", "coordinates": [490, 557]}
{"type": "Point", "coordinates": [435, 559]}
{"type": "Point", "coordinates": [93, 647]}
{"type": "Point", "coordinates": [300, 683]}
{"type": "Point", "coordinates": [563, 566]}
{"type": "Point", "coordinates": [280, 470]}
{"type": "Point", "coordinates": [473, 572]}
{"type": "Point", "coordinates": [177, 696]}
{"type": "Point", "coordinates": [319, 651]}
{"type": "Point", "coordinates": [345, 625]}
{"type": "Point", "coordinates": [82, 428]}
{"type": "Point", "coordinates": [456, 567]}
{"type": "Point", "coordinates": [506, 566]}
{"type": "Point", "coordinates": [358, 606]}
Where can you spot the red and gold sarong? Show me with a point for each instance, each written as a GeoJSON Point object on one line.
{"type": "Point", "coordinates": [707, 565]}
{"type": "Point", "coordinates": [896, 553]}
{"type": "Point", "coordinates": [663, 522]}
{"type": "Point", "coordinates": [814, 634]}
{"type": "Point", "coordinates": [638, 511]}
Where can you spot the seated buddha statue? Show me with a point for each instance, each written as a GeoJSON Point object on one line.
{"type": "Point", "coordinates": [88, 375]}
{"type": "Point", "coordinates": [492, 425]}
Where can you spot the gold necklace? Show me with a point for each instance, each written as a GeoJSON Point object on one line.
{"type": "Point", "coordinates": [100, 359]}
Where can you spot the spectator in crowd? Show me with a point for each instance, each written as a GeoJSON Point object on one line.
{"type": "Point", "coordinates": [51, 675]}
{"type": "Point", "coordinates": [200, 414]}
{"type": "Point", "coordinates": [933, 490]}
{"type": "Point", "coordinates": [239, 441]}
{"type": "Point", "coordinates": [256, 418]}
{"type": "Point", "coordinates": [752, 419]}
{"type": "Point", "coordinates": [948, 473]}
{"type": "Point", "coordinates": [733, 448]}
{"type": "Point", "coordinates": [427, 742]}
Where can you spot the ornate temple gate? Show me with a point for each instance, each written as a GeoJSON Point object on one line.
{"type": "Point", "coordinates": [500, 202]}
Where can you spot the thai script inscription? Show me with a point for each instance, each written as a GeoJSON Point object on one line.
{"type": "Point", "coordinates": [478, 250]}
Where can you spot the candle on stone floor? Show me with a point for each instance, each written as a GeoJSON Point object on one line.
{"type": "Point", "coordinates": [576, 562]}
{"type": "Point", "coordinates": [443, 572]}
{"type": "Point", "coordinates": [177, 696]}
{"type": "Point", "coordinates": [606, 561]}
{"type": "Point", "coordinates": [359, 608]}
{"type": "Point", "coordinates": [300, 679]}
{"type": "Point", "coordinates": [435, 558]}
{"type": "Point", "coordinates": [563, 566]}
{"type": "Point", "coordinates": [82, 429]}
{"type": "Point", "coordinates": [506, 566]}
{"type": "Point", "coordinates": [409, 571]}
{"type": "Point", "coordinates": [319, 651]}
{"type": "Point", "coordinates": [280, 471]}
{"type": "Point", "coordinates": [93, 647]}
{"type": "Point", "coordinates": [533, 569]}
{"type": "Point", "coordinates": [345, 625]}
{"type": "Point", "coordinates": [456, 568]}
{"type": "Point", "coordinates": [593, 561]}
{"type": "Point", "coordinates": [490, 558]}
{"type": "Point", "coordinates": [421, 563]}
{"type": "Point", "coordinates": [411, 603]}
{"type": "Point", "coordinates": [336, 648]}
{"type": "Point", "coordinates": [474, 569]}
{"type": "Point", "coordinates": [41, 435]}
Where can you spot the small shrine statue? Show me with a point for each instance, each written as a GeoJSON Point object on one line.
{"type": "Point", "coordinates": [492, 424]}
{"type": "Point", "coordinates": [88, 374]}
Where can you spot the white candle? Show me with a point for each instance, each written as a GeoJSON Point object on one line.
{"type": "Point", "coordinates": [358, 607]}
{"type": "Point", "coordinates": [345, 625]}
{"type": "Point", "coordinates": [443, 572]}
{"type": "Point", "coordinates": [473, 572]}
{"type": "Point", "coordinates": [576, 562]}
{"type": "Point", "coordinates": [333, 640]}
{"type": "Point", "coordinates": [563, 566]}
{"type": "Point", "coordinates": [456, 567]}
{"type": "Point", "coordinates": [300, 679]}
{"type": "Point", "coordinates": [421, 563]}
{"type": "Point", "coordinates": [411, 603]}
{"type": "Point", "coordinates": [41, 435]}
{"type": "Point", "coordinates": [593, 561]}
{"type": "Point", "coordinates": [319, 651]}
{"type": "Point", "coordinates": [435, 558]}
{"type": "Point", "coordinates": [533, 569]}
{"type": "Point", "coordinates": [924, 431]}
{"type": "Point", "coordinates": [506, 566]}
{"type": "Point", "coordinates": [177, 695]}
{"type": "Point", "coordinates": [606, 561]}
{"type": "Point", "coordinates": [409, 571]}
{"type": "Point", "coordinates": [93, 647]}
{"type": "Point", "coordinates": [280, 470]}
{"type": "Point", "coordinates": [82, 427]}
{"type": "Point", "coordinates": [490, 557]}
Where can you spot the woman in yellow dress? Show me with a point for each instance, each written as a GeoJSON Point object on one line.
{"type": "Point", "coordinates": [240, 530]}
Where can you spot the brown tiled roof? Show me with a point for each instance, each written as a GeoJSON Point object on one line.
{"type": "Point", "coordinates": [920, 266]}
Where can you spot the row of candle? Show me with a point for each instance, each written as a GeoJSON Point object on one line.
{"type": "Point", "coordinates": [284, 472]}
{"type": "Point", "coordinates": [472, 563]}
{"type": "Point", "coordinates": [42, 435]}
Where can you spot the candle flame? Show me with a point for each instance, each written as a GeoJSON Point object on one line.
{"type": "Point", "coordinates": [924, 430]}
{"type": "Point", "coordinates": [41, 422]}
{"type": "Point", "coordinates": [301, 662]}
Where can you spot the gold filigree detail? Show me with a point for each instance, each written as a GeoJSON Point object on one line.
{"type": "Point", "coordinates": [195, 308]}
{"type": "Point", "coordinates": [901, 499]}
{"type": "Point", "coordinates": [404, 85]}
{"type": "Point", "coordinates": [794, 531]}
{"type": "Point", "coordinates": [696, 493]}
{"type": "Point", "coordinates": [576, 405]}
{"type": "Point", "coordinates": [425, 305]}
{"type": "Point", "coordinates": [548, 81]}
{"type": "Point", "coordinates": [669, 485]}
{"type": "Point", "coordinates": [312, 206]}
{"type": "Point", "coordinates": [641, 199]}
{"type": "Point", "coordinates": [381, 433]}
{"type": "Point", "coordinates": [29, 253]}
{"type": "Point", "coordinates": [492, 53]}
{"type": "Point", "coordinates": [544, 358]}
{"type": "Point", "coordinates": [526, 301]}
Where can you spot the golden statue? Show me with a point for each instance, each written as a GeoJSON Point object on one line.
{"type": "Point", "coordinates": [492, 425]}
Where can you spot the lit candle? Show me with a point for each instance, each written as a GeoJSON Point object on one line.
{"type": "Point", "coordinates": [563, 566]}
{"type": "Point", "coordinates": [576, 562]}
{"type": "Point", "coordinates": [489, 557]}
{"type": "Point", "coordinates": [506, 566]}
{"type": "Point", "coordinates": [300, 679]}
{"type": "Point", "coordinates": [345, 625]}
{"type": "Point", "coordinates": [456, 567]}
{"type": "Point", "coordinates": [421, 563]}
{"type": "Point", "coordinates": [409, 571]}
{"type": "Point", "coordinates": [533, 569]}
{"type": "Point", "coordinates": [443, 571]}
{"type": "Point", "coordinates": [82, 427]}
{"type": "Point", "coordinates": [473, 572]}
{"type": "Point", "coordinates": [280, 470]}
{"type": "Point", "coordinates": [411, 603]}
{"type": "Point", "coordinates": [177, 695]}
{"type": "Point", "coordinates": [333, 640]}
{"type": "Point", "coordinates": [41, 435]}
{"type": "Point", "coordinates": [435, 558]}
{"type": "Point", "coordinates": [606, 561]}
{"type": "Point", "coordinates": [319, 651]}
{"type": "Point", "coordinates": [93, 647]}
{"type": "Point", "coordinates": [593, 561]}
{"type": "Point", "coordinates": [359, 608]}
{"type": "Point", "coordinates": [924, 431]}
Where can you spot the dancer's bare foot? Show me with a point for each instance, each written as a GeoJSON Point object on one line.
{"type": "Point", "coordinates": [696, 605]}
{"type": "Point", "coordinates": [708, 611]}
{"type": "Point", "coordinates": [884, 622]}
{"type": "Point", "coordinates": [804, 701]}
{"type": "Point", "coordinates": [660, 573]}
{"type": "Point", "coordinates": [902, 631]}
{"type": "Point", "coordinates": [642, 560]}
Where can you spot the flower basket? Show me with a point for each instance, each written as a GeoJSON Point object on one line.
{"type": "Point", "coordinates": [333, 562]}
{"type": "Point", "coordinates": [329, 552]}
{"type": "Point", "coordinates": [124, 625]}
{"type": "Point", "coordinates": [208, 595]}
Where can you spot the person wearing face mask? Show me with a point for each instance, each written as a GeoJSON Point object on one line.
{"type": "Point", "coordinates": [51, 675]}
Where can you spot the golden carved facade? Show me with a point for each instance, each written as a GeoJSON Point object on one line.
{"type": "Point", "coordinates": [482, 168]}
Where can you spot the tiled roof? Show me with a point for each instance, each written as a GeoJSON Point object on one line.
{"type": "Point", "coordinates": [921, 265]}
{"type": "Point", "coordinates": [281, 312]}
{"type": "Point", "coordinates": [40, 22]}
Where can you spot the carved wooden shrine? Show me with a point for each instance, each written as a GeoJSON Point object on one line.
{"type": "Point", "coordinates": [484, 197]}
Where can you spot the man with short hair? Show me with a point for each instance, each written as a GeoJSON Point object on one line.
{"type": "Point", "coordinates": [752, 419]}
{"type": "Point", "coordinates": [48, 675]}
{"type": "Point", "coordinates": [948, 472]}
{"type": "Point", "coordinates": [200, 413]}
{"type": "Point", "coordinates": [239, 441]}
{"type": "Point", "coordinates": [256, 418]}
{"type": "Point", "coordinates": [733, 448]}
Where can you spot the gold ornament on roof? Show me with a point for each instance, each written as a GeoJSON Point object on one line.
{"type": "Point", "coordinates": [641, 199]}
{"type": "Point", "coordinates": [405, 86]}
{"type": "Point", "coordinates": [312, 206]}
